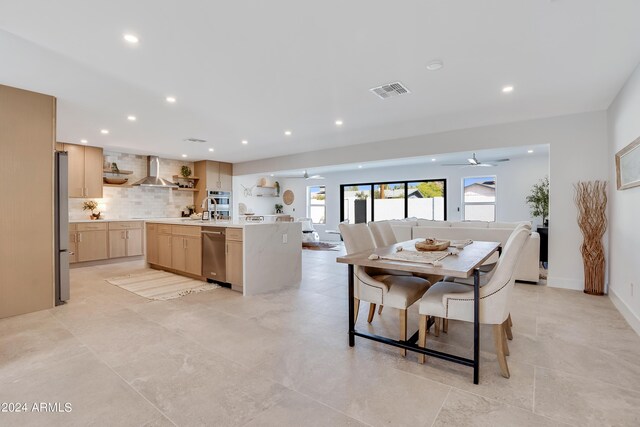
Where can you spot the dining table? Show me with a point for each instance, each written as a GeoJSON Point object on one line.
{"type": "Point", "coordinates": [462, 263]}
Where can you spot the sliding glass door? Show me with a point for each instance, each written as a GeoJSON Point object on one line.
{"type": "Point", "coordinates": [377, 201]}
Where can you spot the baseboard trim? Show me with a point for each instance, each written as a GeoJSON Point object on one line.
{"type": "Point", "coordinates": [623, 308]}
{"type": "Point", "coordinates": [563, 283]}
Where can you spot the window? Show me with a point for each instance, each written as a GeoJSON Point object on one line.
{"type": "Point", "coordinates": [356, 203]}
{"type": "Point", "coordinates": [479, 198]}
{"type": "Point", "coordinates": [379, 201]}
{"type": "Point", "coordinates": [316, 208]}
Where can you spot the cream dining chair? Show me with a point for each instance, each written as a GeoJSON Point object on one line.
{"type": "Point", "coordinates": [484, 279]}
{"type": "Point", "coordinates": [450, 300]}
{"type": "Point", "coordinates": [384, 236]}
{"type": "Point", "coordinates": [377, 286]}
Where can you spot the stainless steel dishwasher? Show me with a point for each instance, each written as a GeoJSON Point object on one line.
{"type": "Point", "coordinates": [214, 257]}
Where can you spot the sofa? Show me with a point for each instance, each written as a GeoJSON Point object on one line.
{"type": "Point", "coordinates": [528, 269]}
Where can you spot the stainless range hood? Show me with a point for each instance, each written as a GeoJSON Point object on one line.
{"type": "Point", "coordinates": [153, 179]}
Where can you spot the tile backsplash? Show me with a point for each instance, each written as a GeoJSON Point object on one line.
{"type": "Point", "coordinates": [138, 202]}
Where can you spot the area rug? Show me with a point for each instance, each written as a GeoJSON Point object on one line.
{"type": "Point", "coordinates": [319, 246]}
{"type": "Point", "coordinates": [160, 285]}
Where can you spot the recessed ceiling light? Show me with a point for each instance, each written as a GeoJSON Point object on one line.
{"type": "Point", "coordinates": [211, 150]}
{"type": "Point", "coordinates": [132, 118]}
{"type": "Point", "coordinates": [104, 131]}
{"type": "Point", "coordinates": [184, 155]}
{"type": "Point", "coordinates": [435, 65]}
{"type": "Point", "coordinates": [507, 89]}
{"type": "Point", "coordinates": [130, 38]}
{"type": "Point", "coordinates": [433, 160]}
{"type": "Point", "coordinates": [530, 151]}
{"type": "Point", "coordinates": [84, 141]}
{"type": "Point", "coordinates": [359, 166]}
{"type": "Point", "coordinates": [245, 142]}
{"type": "Point", "coordinates": [339, 122]}
{"type": "Point", "coordinates": [287, 132]}
{"type": "Point", "coordinates": [170, 99]}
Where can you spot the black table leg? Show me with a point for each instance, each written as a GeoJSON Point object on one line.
{"type": "Point", "coordinates": [352, 326]}
{"type": "Point", "coordinates": [476, 325]}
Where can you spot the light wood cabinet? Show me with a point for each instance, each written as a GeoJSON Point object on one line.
{"type": "Point", "coordinates": [27, 137]}
{"type": "Point", "coordinates": [213, 176]}
{"type": "Point", "coordinates": [164, 250]}
{"type": "Point", "coordinates": [152, 243]}
{"type": "Point", "coordinates": [178, 253]}
{"type": "Point", "coordinates": [193, 253]}
{"type": "Point", "coordinates": [73, 247]}
{"type": "Point", "coordinates": [234, 258]}
{"type": "Point", "coordinates": [225, 176]}
{"type": "Point", "coordinates": [178, 247]}
{"type": "Point", "coordinates": [85, 170]}
{"type": "Point", "coordinates": [125, 239]}
{"type": "Point", "coordinates": [92, 245]}
{"type": "Point", "coordinates": [117, 243]}
{"type": "Point", "coordinates": [134, 242]}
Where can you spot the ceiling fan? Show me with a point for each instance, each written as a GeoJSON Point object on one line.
{"type": "Point", "coordinates": [473, 161]}
{"type": "Point", "coordinates": [304, 176]}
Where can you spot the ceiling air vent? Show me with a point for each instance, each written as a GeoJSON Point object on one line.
{"type": "Point", "coordinates": [195, 140]}
{"type": "Point", "coordinates": [389, 90]}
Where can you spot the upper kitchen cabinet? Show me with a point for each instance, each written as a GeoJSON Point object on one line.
{"type": "Point", "coordinates": [85, 170]}
{"type": "Point", "coordinates": [213, 176]}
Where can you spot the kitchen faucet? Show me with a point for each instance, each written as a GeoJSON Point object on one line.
{"type": "Point", "coordinates": [215, 207]}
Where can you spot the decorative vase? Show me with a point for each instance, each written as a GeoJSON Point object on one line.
{"type": "Point", "coordinates": [95, 216]}
{"type": "Point", "coordinates": [591, 200]}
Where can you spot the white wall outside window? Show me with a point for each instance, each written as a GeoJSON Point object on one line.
{"type": "Point", "coordinates": [479, 198]}
{"type": "Point", "coordinates": [316, 204]}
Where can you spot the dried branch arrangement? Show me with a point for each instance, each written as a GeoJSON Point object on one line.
{"type": "Point", "coordinates": [591, 200]}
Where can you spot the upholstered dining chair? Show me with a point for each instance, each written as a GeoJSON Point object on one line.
{"type": "Point", "coordinates": [450, 300]}
{"type": "Point", "coordinates": [484, 279]}
{"type": "Point", "coordinates": [376, 286]}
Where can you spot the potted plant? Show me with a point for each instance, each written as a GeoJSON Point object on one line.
{"type": "Point", "coordinates": [279, 208]}
{"type": "Point", "coordinates": [276, 185]}
{"type": "Point", "coordinates": [185, 171]}
{"type": "Point", "coordinates": [91, 205]}
{"type": "Point", "coordinates": [538, 200]}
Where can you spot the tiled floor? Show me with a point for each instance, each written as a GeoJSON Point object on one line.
{"type": "Point", "coordinates": [216, 358]}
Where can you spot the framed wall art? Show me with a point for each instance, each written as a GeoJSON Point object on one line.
{"type": "Point", "coordinates": [628, 166]}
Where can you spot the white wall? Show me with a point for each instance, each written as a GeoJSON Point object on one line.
{"type": "Point", "coordinates": [624, 206]}
{"type": "Point", "coordinates": [258, 205]}
{"type": "Point", "coordinates": [578, 151]}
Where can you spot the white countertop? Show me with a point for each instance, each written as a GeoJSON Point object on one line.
{"type": "Point", "coordinates": [174, 221]}
{"type": "Point", "coordinates": [197, 222]}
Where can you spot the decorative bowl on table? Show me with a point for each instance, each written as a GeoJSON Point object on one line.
{"type": "Point", "coordinates": [115, 180]}
{"type": "Point", "coordinates": [432, 245]}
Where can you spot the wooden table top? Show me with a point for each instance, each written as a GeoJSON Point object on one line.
{"type": "Point", "coordinates": [461, 265]}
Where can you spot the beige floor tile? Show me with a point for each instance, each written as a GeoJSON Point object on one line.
{"type": "Point", "coordinates": [295, 409]}
{"type": "Point", "coordinates": [584, 401]}
{"type": "Point", "coordinates": [218, 358]}
{"type": "Point", "coordinates": [98, 396]}
{"type": "Point", "coordinates": [465, 409]}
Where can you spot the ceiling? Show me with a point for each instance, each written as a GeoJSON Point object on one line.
{"type": "Point", "coordinates": [484, 156]}
{"type": "Point", "coordinates": [249, 70]}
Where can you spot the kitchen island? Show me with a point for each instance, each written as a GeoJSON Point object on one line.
{"type": "Point", "coordinates": [251, 257]}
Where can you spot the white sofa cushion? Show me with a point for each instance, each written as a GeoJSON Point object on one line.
{"type": "Point", "coordinates": [432, 223]}
{"type": "Point", "coordinates": [509, 225]}
{"type": "Point", "coordinates": [470, 224]}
